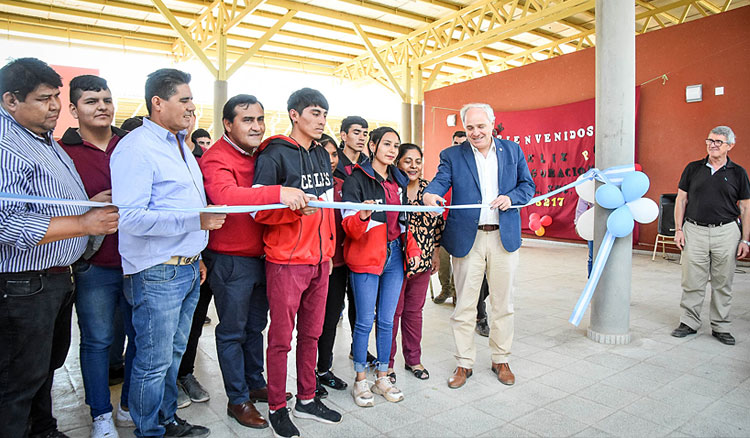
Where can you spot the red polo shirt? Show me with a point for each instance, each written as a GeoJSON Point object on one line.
{"type": "Point", "coordinates": [92, 165]}
{"type": "Point", "coordinates": [228, 175]}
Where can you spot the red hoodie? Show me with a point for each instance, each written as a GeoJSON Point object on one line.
{"type": "Point", "coordinates": [290, 237]}
{"type": "Point", "coordinates": [228, 178]}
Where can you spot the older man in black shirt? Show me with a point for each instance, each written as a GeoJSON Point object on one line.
{"type": "Point", "coordinates": [707, 231]}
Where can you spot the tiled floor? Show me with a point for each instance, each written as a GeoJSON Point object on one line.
{"type": "Point", "coordinates": [566, 385]}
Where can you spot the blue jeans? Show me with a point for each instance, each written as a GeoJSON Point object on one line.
{"type": "Point", "coordinates": [591, 255]}
{"type": "Point", "coordinates": [239, 287]}
{"type": "Point", "coordinates": [99, 297]}
{"type": "Point", "coordinates": [163, 299]}
{"type": "Point", "coordinates": [382, 292]}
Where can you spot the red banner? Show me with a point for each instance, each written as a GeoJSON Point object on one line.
{"type": "Point", "coordinates": [559, 146]}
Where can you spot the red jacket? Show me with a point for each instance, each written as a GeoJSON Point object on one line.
{"type": "Point", "coordinates": [290, 237]}
{"type": "Point", "coordinates": [366, 244]}
{"type": "Point", "coordinates": [228, 178]}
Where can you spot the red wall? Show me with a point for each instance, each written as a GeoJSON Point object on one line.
{"type": "Point", "coordinates": [713, 51]}
{"type": "Point", "coordinates": [67, 73]}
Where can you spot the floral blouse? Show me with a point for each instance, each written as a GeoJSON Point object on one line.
{"type": "Point", "coordinates": [427, 231]}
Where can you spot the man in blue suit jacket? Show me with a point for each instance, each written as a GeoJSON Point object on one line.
{"type": "Point", "coordinates": [489, 171]}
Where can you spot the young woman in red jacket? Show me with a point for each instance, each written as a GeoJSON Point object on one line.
{"type": "Point", "coordinates": [374, 250]}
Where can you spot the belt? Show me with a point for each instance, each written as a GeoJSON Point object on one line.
{"type": "Point", "coordinates": [53, 270]}
{"type": "Point", "coordinates": [701, 224]}
{"type": "Point", "coordinates": [179, 260]}
{"type": "Point", "coordinates": [488, 227]}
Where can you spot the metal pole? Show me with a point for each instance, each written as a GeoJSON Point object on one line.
{"type": "Point", "coordinates": [615, 145]}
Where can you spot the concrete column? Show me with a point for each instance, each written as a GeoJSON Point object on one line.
{"type": "Point", "coordinates": [405, 122]}
{"type": "Point", "coordinates": [417, 125]}
{"type": "Point", "coordinates": [615, 139]}
{"type": "Point", "coordinates": [220, 98]}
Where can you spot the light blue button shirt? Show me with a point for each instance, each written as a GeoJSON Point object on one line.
{"type": "Point", "coordinates": [147, 172]}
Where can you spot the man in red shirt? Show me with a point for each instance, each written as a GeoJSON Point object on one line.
{"type": "Point", "coordinates": [236, 269]}
{"type": "Point", "coordinates": [98, 274]}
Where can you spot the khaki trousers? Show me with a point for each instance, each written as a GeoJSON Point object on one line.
{"type": "Point", "coordinates": [447, 287]}
{"type": "Point", "coordinates": [486, 256]}
{"type": "Point", "coordinates": [708, 250]}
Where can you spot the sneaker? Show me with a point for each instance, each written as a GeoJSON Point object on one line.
{"type": "Point", "coordinates": [123, 418]}
{"type": "Point", "coordinates": [282, 425]}
{"type": "Point", "coordinates": [482, 328]}
{"type": "Point", "coordinates": [320, 391]}
{"type": "Point", "coordinates": [181, 428]}
{"type": "Point", "coordinates": [384, 387]}
{"type": "Point", "coordinates": [444, 295]}
{"type": "Point", "coordinates": [316, 410]}
{"type": "Point", "coordinates": [194, 390]}
{"type": "Point", "coordinates": [104, 427]}
{"type": "Point", "coordinates": [371, 360]}
{"type": "Point", "coordinates": [330, 380]}
{"type": "Point", "coordinates": [682, 331]}
{"type": "Point", "coordinates": [183, 399]}
{"type": "Point", "coordinates": [723, 337]}
{"type": "Point", "coordinates": [362, 395]}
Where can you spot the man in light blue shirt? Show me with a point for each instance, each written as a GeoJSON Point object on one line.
{"type": "Point", "coordinates": [153, 168]}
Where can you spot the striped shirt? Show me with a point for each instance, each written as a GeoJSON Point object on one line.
{"type": "Point", "coordinates": [34, 165]}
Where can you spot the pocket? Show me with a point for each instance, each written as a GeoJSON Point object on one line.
{"type": "Point", "coordinates": [160, 274]}
{"type": "Point", "coordinates": [81, 267]}
{"type": "Point", "coordinates": [22, 287]}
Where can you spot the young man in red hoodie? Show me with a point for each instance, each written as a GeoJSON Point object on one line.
{"type": "Point", "coordinates": [236, 270]}
{"type": "Point", "coordinates": [298, 246]}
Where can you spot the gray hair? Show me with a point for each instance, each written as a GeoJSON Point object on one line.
{"type": "Point", "coordinates": [483, 106]}
{"type": "Point", "coordinates": [726, 131]}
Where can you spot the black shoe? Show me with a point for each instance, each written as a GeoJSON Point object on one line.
{"type": "Point", "coordinates": [316, 410]}
{"type": "Point", "coordinates": [320, 391]}
{"type": "Point", "coordinates": [371, 360]}
{"type": "Point", "coordinates": [723, 337]}
{"type": "Point", "coordinates": [682, 331]}
{"type": "Point", "coordinates": [116, 375]}
{"type": "Point", "coordinates": [181, 428]}
{"type": "Point", "coordinates": [482, 328]}
{"type": "Point", "coordinates": [282, 425]}
{"type": "Point", "coordinates": [330, 380]}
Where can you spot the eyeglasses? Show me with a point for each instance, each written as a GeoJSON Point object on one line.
{"type": "Point", "coordinates": [718, 143]}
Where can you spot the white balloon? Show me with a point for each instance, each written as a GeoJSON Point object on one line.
{"type": "Point", "coordinates": [585, 225]}
{"type": "Point", "coordinates": [586, 190]}
{"type": "Point", "coordinates": [644, 210]}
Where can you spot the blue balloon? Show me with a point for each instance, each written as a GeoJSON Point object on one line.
{"type": "Point", "coordinates": [620, 222]}
{"type": "Point", "coordinates": [634, 185]}
{"type": "Point", "coordinates": [609, 196]}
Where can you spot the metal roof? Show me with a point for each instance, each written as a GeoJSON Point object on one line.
{"type": "Point", "coordinates": [431, 42]}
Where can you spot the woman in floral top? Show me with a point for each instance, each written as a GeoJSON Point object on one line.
{"type": "Point", "coordinates": [426, 230]}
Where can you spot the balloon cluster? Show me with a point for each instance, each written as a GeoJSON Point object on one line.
{"type": "Point", "coordinates": [626, 200]}
{"type": "Point", "coordinates": [537, 223]}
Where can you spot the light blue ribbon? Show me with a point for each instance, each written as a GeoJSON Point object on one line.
{"type": "Point", "coordinates": [612, 175]}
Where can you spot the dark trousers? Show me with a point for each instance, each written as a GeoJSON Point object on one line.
{"type": "Point", "coordinates": [484, 292]}
{"type": "Point", "coordinates": [35, 314]}
{"type": "Point", "coordinates": [239, 286]}
{"type": "Point", "coordinates": [338, 286]}
{"type": "Point", "coordinates": [196, 329]}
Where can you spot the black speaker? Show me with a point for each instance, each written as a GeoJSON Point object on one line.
{"type": "Point", "coordinates": [666, 214]}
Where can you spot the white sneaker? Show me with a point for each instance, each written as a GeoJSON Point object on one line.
{"type": "Point", "coordinates": [123, 418]}
{"type": "Point", "coordinates": [384, 387]}
{"type": "Point", "coordinates": [104, 427]}
{"type": "Point", "coordinates": [362, 395]}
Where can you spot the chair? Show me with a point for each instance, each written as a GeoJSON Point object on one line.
{"type": "Point", "coordinates": [665, 233]}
